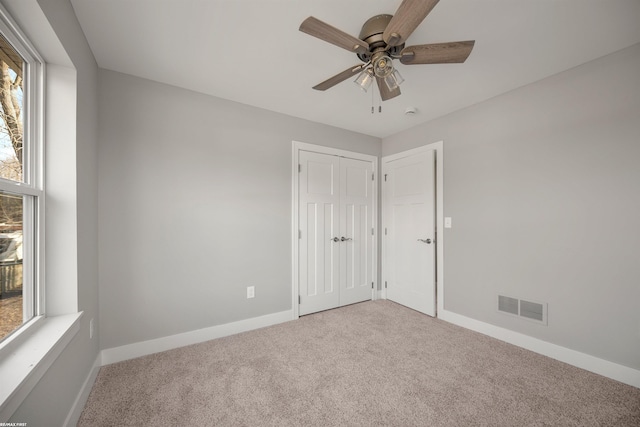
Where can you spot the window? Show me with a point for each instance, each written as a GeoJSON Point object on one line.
{"type": "Point", "coordinates": [21, 187]}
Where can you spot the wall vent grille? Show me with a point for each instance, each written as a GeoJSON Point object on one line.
{"type": "Point", "coordinates": [529, 310]}
{"type": "Point", "coordinates": [508, 305]}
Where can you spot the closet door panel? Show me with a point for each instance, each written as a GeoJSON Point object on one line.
{"type": "Point", "coordinates": [319, 224]}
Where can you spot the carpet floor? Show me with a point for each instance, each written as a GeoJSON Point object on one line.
{"type": "Point", "coordinates": [370, 364]}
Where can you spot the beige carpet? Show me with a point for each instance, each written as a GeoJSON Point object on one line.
{"type": "Point", "coordinates": [369, 364]}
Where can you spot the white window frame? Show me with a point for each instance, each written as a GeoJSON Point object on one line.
{"type": "Point", "coordinates": [33, 178]}
{"type": "Point", "coordinates": [27, 356]}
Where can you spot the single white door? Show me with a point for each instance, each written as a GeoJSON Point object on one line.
{"type": "Point", "coordinates": [356, 217]}
{"type": "Point", "coordinates": [336, 242]}
{"type": "Point", "coordinates": [409, 239]}
{"type": "Point", "coordinates": [319, 199]}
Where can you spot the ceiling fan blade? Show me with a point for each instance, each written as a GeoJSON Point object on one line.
{"type": "Point", "coordinates": [385, 93]}
{"type": "Point", "coordinates": [437, 53]}
{"type": "Point", "coordinates": [326, 32]}
{"type": "Point", "coordinates": [338, 78]}
{"type": "Point", "coordinates": [409, 15]}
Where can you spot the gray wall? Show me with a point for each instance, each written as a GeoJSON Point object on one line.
{"type": "Point", "coordinates": [542, 184]}
{"type": "Point", "coordinates": [195, 205]}
{"type": "Point", "coordinates": [50, 401]}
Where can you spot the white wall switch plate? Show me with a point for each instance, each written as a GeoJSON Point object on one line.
{"type": "Point", "coordinates": [251, 291]}
{"type": "Point", "coordinates": [447, 222]}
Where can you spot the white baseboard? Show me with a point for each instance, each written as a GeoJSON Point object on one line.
{"type": "Point", "coordinates": [131, 351]}
{"type": "Point", "coordinates": [621, 373]}
{"type": "Point", "coordinates": [83, 395]}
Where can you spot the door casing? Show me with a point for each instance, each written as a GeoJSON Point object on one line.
{"type": "Point", "coordinates": [295, 240]}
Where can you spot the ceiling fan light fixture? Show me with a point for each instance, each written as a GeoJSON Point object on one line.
{"type": "Point", "coordinates": [382, 65]}
{"type": "Point", "coordinates": [364, 79]}
{"type": "Point", "coordinates": [393, 80]}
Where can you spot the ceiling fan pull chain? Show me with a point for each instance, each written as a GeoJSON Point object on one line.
{"type": "Point", "coordinates": [372, 110]}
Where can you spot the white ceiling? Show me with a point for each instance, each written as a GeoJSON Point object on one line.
{"type": "Point", "coordinates": [251, 51]}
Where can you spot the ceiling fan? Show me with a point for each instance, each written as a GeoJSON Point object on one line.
{"type": "Point", "coordinates": [382, 39]}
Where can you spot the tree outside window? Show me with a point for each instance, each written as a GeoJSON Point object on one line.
{"type": "Point", "coordinates": [11, 205]}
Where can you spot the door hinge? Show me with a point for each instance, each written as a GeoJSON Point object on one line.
{"type": "Point", "coordinates": [372, 231]}
{"type": "Point", "coordinates": [299, 299]}
{"type": "Point", "coordinates": [299, 234]}
{"type": "Point", "coordinates": [385, 231]}
{"type": "Point", "coordinates": [385, 177]}
{"type": "Point", "coordinates": [372, 177]}
{"type": "Point", "coordinates": [299, 168]}
{"type": "Point", "coordinates": [385, 284]}
{"type": "Point", "coordinates": [371, 285]}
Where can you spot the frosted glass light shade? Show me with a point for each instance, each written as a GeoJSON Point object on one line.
{"type": "Point", "coordinates": [364, 79]}
{"type": "Point", "coordinates": [393, 80]}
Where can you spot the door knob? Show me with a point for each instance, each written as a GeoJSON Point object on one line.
{"type": "Point", "coordinates": [344, 239]}
{"type": "Point", "coordinates": [336, 239]}
{"type": "Point", "coordinates": [427, 241]}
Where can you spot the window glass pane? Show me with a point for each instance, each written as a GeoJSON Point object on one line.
{"type": "Point", "coordinates": [11, 117]}
{"type": "Point", "coordinates": [12, 312]}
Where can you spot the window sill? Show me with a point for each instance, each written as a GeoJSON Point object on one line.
{"type": "Point", "coordinates": [27, 358]}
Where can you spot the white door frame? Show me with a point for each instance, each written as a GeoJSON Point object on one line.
{"type": "Point", "coordinates": [298, 146]}
{"type": "Point", "coordinates": [438, 147]}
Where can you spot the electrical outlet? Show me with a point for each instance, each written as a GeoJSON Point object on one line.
{"type": "Point", "coordinates": [251, 291]}
{"type": "Point", "coordinates": [91, 329]}
{"type": "Point", "coordinates": [447, 222]}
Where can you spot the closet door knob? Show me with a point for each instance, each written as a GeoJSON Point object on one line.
{"type": "Point", "coordinates": [336, 239]}
{"type": "Point", "coordinates": [344, 239]}
{"type": "Point", "coordinates": [427, 241]}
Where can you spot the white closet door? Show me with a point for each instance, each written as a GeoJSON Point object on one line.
{"type": "Point", "coordinates": [410, 249]}
{"type": "Point", "coordinates": [319, 199]}
{"type": "Point", "coordinates": [336, 201]}
{"type": "Point", "coordinates": [356, 217]}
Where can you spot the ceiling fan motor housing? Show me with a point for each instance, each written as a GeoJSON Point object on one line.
{"type": "Point", "coordinates": [371, 33]}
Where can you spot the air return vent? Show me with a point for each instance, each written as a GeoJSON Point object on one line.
{"type": "Point", "coordinates": [530, 310]}
{"type": "Point", "coordinates": [508, 305]}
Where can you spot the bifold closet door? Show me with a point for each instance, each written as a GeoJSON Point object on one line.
{"type": "Point", "coordinates": [336, 242]}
